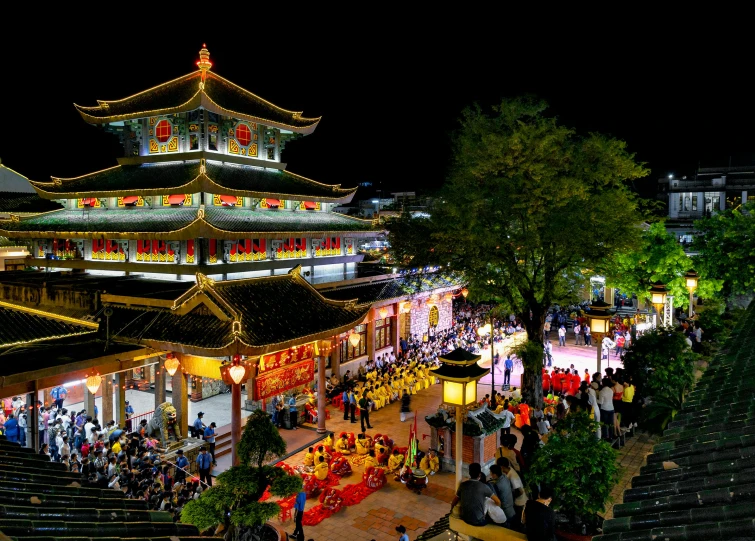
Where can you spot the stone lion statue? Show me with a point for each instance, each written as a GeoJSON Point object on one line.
{"type": "Point", "coordinates": [164, 418]}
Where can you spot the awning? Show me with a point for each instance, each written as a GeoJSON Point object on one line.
{"type": "Point", "coordinates": [273, 202]}
{"type": "Point", "coordinates": [176, 199]}
{"type": "Point", "coordinates": [310, 205]}
{"type": "Point", "coordinates": [130, 199]}
{"type": "Point", "coordinates": [89, 201]}
{"type": "Point", "coordinates": [228, 200]}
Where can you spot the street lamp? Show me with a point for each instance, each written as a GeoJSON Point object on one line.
{"type": "Point", "coordinates": [691, 278]}
{"type": "Point", "coordinates": [658, 298]}
{"type": "Point", "coordinates": [233, 374]}
{"type": "Point", "coordinates": [459, 373]}
{"type": "Point", "coordinates": [599, 325]}
{"type": "Point", "coordinates": [488, 329]}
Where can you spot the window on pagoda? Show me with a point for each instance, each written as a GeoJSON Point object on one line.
{"type": "Point", "coordinates": [213, 129]}
{"type": "Point", "coordinates": [60, 249]}
{"type": "Point", "coordinates": [109, 250]}
{"type": "Point", "coordinates": [327, 246]}
{"type": "Point", "coordinates": [289, 248]}
{"type": "Point", "coordinates": [163, 136]}
{"type": "Point", "coordinates": [131, 201]}
{"type": "Point", "coordinates": [271, 203]}
{"type": "Point", "coordinates": [194, 127]}
{"type": "Point", "coordinates": [383, 332]}
{"type": "Point", "coordinates": [309, 205]}
{"type": "Point", "coordinates": [245, 250]}
{"type": "Point", "coordinates": [349, 352]}
{"type": "Point", "coordinates": [227, 200]}
{"type": "Point", "coordinates": [158, 251]}
{"type": "Point", "coordinates": [177, 200]}
{"type": "Point", "coordinates": [242, 139]}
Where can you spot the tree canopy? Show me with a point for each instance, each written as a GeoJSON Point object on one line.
{"type": "Point", "coordinates": [726, 249]}
{"type": "Point", "coordinates": [528, 204]}
{"type": "Point", "coordinates": [656, 258]}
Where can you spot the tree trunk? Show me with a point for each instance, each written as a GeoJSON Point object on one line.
{"type": "Point", "coordinates": [532, 378]}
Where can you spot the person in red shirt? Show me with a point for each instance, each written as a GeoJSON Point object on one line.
{"type": "Point", "coordinates": [546, 382]}
{"type": "Point", "coordinates": [587, 377]}
{"type": "Point", "coordinates": [85, 449]}
{"type": "Point", "coordinates": [575, 381]}
{"type": "Point", "coordinates": [565, 381]}
{"type": "Point", "coordinates": [556, 381]}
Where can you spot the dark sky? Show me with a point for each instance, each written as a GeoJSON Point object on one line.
{"type": "Point", "coordinates": [389, 101]}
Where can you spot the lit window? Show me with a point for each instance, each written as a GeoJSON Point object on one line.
{"type": "Point", "coordinates": [243, 134]}
{"type": "Point", "coordinates": [163, 131]}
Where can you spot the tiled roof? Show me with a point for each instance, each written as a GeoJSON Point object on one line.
{"type": "Point", "coordinates": [187, 177]}
{"type": "Point", "coordinates": [31, 485]}
{"type": "Point", "coordinates": [183, 94]}
{"type": "Point", "coordinates": [104, 221]}
{"type": "Point", "coordinates": [271, 311]}
{"type": "Point", "coordinates": [699, 484]}
{"type": "Point", "coordinates": [20, 326]}
{"type": "Point", "coordinates": [25, 202]}
{"type": "Point", "coordinates": [393, 289]}
{"type": "Point", "coordinates": [264, 221]}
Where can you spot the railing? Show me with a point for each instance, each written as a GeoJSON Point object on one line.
{"type": "Point", "coordinates": [135, 420]}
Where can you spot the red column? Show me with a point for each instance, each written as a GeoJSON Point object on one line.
{"type": "Point", "coordinates": [235, 421]}
{"type": "Point", "coordinates": [321, 394]}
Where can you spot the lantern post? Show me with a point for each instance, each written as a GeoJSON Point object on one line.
{"type": "Point", "coordinates": [459, 373]}
{"type": "Point", "coordinates": [658, 297]}
{"type": "Point", "coordinates": [233, 374]}
{"type": "Point", "coordinates": [599, 326]}
{"type": "Point", "coordinates": [691, 278]}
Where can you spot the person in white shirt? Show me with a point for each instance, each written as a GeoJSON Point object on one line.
{"type": "Point", "coordinates": [63, 447]}
{"type": "Point", "coordinates": [517, 489]}
{"type": "Point", "coordinates": [605, 402]}
{"type": "Point", "coordinates": [88, 428]}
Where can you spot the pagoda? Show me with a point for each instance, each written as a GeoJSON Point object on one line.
{"type": "Point", "coordinates": [200, 189]}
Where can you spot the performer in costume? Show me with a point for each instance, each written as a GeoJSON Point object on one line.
{"type": "Point", "coordinates": [342, 445]}
{"type": "Point", "coordinates": [430, 463]}
{"type": "Point", "coordinates": [321, 452]}
{"type": "Point", "coordinates": [371, 461]}
{"type": "Point", "coordinates": [322, 469]}
{"type": "Point", "coordinates": [395, 461]}
{"type": "Point", "coordinates": [328, 441]}
{"type": "Point", "coordinates": [309, 458]}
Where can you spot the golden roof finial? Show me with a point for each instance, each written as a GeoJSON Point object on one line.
{"type": "Point", "coordinates": [204, 61]}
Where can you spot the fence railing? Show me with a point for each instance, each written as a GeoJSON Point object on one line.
{"type": "Point", "coordinates": [135, 420]}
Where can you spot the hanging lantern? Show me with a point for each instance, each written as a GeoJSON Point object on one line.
{"type": "Point", "coordinates": [406, 307]}
{"type": "Point", "coordinates": [383, 312]}
{"type": "Point", "coordinates": [171, 364]}
{"type": "Point", "coordinates": [93, 383]}
{"type": "Point", "coordinates": [354, 339]}
{"type": "Point", "coordinates": [448, 297]}
{"type": "Point", "coordinates": [237, 373]}
{"type": "Point", "coordinates": [465, 292]}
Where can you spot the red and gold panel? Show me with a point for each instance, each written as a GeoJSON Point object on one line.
{"type": "Point", "coordinates": [270, 203]}
{"type": "Point", "coordinates": [109, 250]}
{"type": "Point", "coordinates": [349, 246]}
{"type": "Point", "coordinates": [88, 202]}
{"type": "Point", "coordinates": [213, 251]}
{"type": "Point", "coordinates": [291, 248]}
{"type": "Point", "coordinates": [309, 205]}
{"type": "Point", "coordinates": [177, 199]}
{"type": "Point", "coordinates": [173, 145]}
{"type": "Point", "coordinates": [327, 246]}
{"type": "Point", "coordinates": [156, 251]}
{"type": "Point", "coordinates": [246, 250]}
{"type": "Point", "coordinates": [277, 381]}
{"type": "Point", "coordinates": [277, 360]}
{"type": "Point", "coordinates": [131, 201]}
{"type": "Point", "coordinates": [233, 146]}
{"type": "Point", "coordinates": [163, 131]}
{"type": "Point", "coordinates": [153, 146]}
{"type": "Point", "coordinates": [227, 200]}
{"type": "Point", "coordinates": [190, 251]}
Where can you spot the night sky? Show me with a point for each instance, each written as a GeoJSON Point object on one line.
{"type": "Point", "coordinates": [388, 102]}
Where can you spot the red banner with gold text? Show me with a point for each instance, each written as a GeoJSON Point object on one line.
{"type": "Point", "coordinates": [275, 382]}
{"type": "Point", "coordinates": [286, 357]}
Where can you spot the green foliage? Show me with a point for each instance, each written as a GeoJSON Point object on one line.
{"type": "Point", "coordinates": [527, 205]}
{"type": "Point", "coordinates": [581, 469]}
{"type": "Point", "coordinates": [726, 249]}
{"type": "Point", "coordinates": [657, 257]}
{"type": "Point", "coordinates": [234, 499]}
{"type": "Point", "coordinates": [260, 442]}
{"type": "Point", "coordinates": [660, 363]}
{"type": "Point", "coordinates": [531, 354]}
{"type": "Point", "coordinates": [661, 410]}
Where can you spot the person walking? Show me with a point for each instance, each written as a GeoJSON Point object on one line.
{"type": "Point", "coordinates": [293, 413]}
{"type": "Point", "coordinates": [345, 403]}
{"type": "Point", "coordinates": [364, 411]}
{"type": "Point", "coordinates": [129, 413]}
{"type": "Point", "coordinates": [353, 405]}
{"type": "Point", "coordinates": [561, 336]}
{"type": "Point", "coordinates": [204, 463]}
{"type": "Point", "coordinates": [588, 336]}
{"type": "Point", "coordinates": [182, 466]}
{"type": "Point", "coordinates": [59, 394]}
{"type": "Point", "coordinates": [508, 366]}
{"type": "Point", "coordinates": [578, 339]}
{"type": "Point", "coordinates": [301, 499]}
{"type": "Point", "coordinates": [209, 437]}
{"type": "Point", "coordinates": [405, 406]}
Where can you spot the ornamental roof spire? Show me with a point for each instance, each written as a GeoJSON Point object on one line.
{"type": "Point", "coordinates": [204, 61]}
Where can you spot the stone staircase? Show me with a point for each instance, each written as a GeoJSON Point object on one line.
{"type": "Point", "coordinates": [41, 501]}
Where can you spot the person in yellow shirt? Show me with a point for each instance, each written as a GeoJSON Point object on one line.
{"type": "Point", "coordinates": [371, 461]}
{"type": "Point", "coordinates": [364, 444]}
{"type": "Point", "coordinates": [396, 386]}
{"type": "Point", "coordinates": [370, 395]}
{"type": "Point", "coordinates": [342, 445]}
{"type": "Point", "coordinates": [408, 383]}
{"type": "Point", "coordinates": [395, 461]}
{"type": "Point", "coordinates": [116, 447]}
{"type": "Point", "coordinates": [627, 408]}
{"type": "Point", "coordinates": [430, 463]}
{"type": "Point", "coordinates": [328, 441]}
{"type": "Point", "coordinates": [322, 469]}
{"type": "Point", "coordinates": [309, 458]}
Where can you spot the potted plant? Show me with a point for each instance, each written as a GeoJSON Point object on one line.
{"type": "Point", "coordinates": [231, 507]}
{"type": "Point", "coordinates": [581, 470]}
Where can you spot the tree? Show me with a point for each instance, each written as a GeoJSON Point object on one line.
{"type": "Point", "coordinates": [657, 258]}
{"type": "Point", "coordinates": [726, 249]}
{"type": "Point", "coordinates": [232, 504]}
{"type": "Point", "coordinates": [526, 206]}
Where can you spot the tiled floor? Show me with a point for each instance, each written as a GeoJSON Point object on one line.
{"type": "Point", "coordinates": [631, 459]}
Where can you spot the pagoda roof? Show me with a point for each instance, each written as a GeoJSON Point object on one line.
{"type": "Point", "coordinates": [22, 325]}
{"type": "Point", "coordinates": [193, 176]}
{"type": "Point", "coordinates": [394, 288]}
{"type": "Point", "coordinates": [26, 203]}
{"type": "Point", "coordinates": [182, 223]}
{"type": "Point", "coordinates": [188, 93]}
{"type": "Point", "coordinates": [248, 317]}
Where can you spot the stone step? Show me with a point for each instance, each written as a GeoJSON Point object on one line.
{"type": "Point", "coordinates": [38, 478]}
{"type": "Point", "coordinates": [21, 498]}
{"type": "Point", "coordinates": [33, 488]}
{"type": "Point", "coordinates": [5, 467]}
{"type": "Point", "coordinates": [18, 512]}
{"type": "Point", "coordinates": [66, 529]}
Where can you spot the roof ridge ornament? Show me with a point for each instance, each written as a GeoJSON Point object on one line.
{"type": "Point", "coordinates": [204, 281]}
{"type": "Point", "coordinates": [204, 64]}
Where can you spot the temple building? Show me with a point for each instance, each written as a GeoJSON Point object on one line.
{"type": "Point", "coordinates": [200, 189]}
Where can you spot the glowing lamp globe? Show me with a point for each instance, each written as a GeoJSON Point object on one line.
{"type": "Point", "coordinates": [465, 292]}
{"type": "Point", "coordinates": [237, 373]}
{"type": "Point", "coordinates": [485, 329]}
{"type": "Point", "coordinates": [690, 279]}
{"type": "Point", "coordinates": [658, 293]}
{"type": "Point", "coordinates": [93, 383]}
{"type": "Point", "coordinates": [171, 364]}
{"type": "Point", "coordinates": [354, 340]}
{"type": "Point", "coordinates": [599, 317]}
{"type": "Point", "coordinates": [383, 312]}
